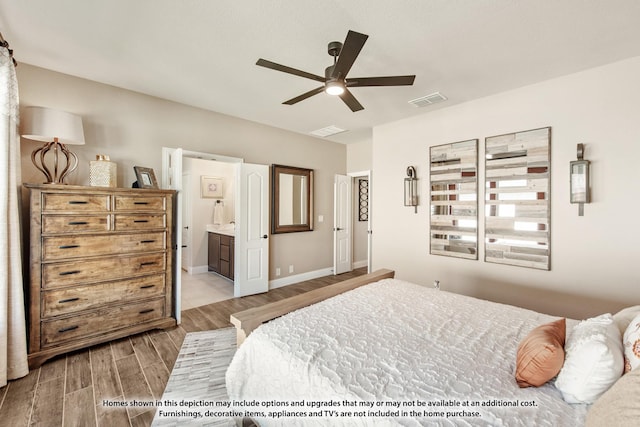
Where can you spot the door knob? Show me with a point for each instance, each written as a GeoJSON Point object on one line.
{"type": "Point", "coordinates": [265, 236]}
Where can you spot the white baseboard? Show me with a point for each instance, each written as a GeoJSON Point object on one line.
{"type": "Point", "coordinates": [359, 264]}
{"type": "Point", "coordinates": [296, 278]}
{"type": "Point", "coordinates": [285, 281]}
{"type": "Point", "coordinates": [198, 269]}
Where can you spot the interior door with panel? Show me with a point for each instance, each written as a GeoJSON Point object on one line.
{"type": "Point", "coordinates": [252, 231]}
{"type": "Point", "coordinates": [172, 179]}
{"type": "Point", "coordinates": [342, 249]}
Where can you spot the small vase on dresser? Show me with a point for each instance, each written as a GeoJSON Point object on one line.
{"type": "Point", "coordinates": [100, 266]}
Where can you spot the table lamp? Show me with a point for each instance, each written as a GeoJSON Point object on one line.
{"type": "Point", "coordinates": [56, 129]}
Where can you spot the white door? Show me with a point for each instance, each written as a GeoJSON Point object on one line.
{"type": "Point", "coordinates": [172, 178]}
{"type": "Point", "coordinates": [186, 223]}
{"type": "Point", "coordinates": [252, 231]}
{"type": "Point", "coordinates": [342, 225]}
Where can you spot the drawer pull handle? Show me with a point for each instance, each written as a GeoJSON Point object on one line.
{"type": "Point", "coordinates": [147, 286]}
{"type": "Point", "coordinates": [147, 241]}
{"type": "Point", "coordinates": [140, 220]}
{"type": "Point", "coordinates": [68, 273]}
{"type": "Point", "coordinates": [148, 310]}
{"type": "Point", "coordinates": [140, 203]}
{"type": "Point", "coordinates": [142, 264]}
{"type": "Point", "coordinates": [78, 223]}
{"type": "Point", "coordinates": [68, 246]}
{"type": "Point", "coordinates": [78, 202]}
{"type": "Point", "coordinates": [62, 301]}
{"type": "Point", "coordinates": [68, 328]}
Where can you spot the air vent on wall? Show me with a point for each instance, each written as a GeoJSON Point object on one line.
{"type": "Point", "coordinates": [432, 98]}
{"type": "Point", "coordinates": [327, 131]}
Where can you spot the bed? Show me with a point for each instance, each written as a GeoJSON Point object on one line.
{"type": "Point", "coordinates": [389, 353]}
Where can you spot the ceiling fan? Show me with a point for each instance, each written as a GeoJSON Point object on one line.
{"type": "Point", "coordinates": [335, 81]}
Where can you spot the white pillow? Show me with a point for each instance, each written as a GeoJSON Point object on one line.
{"type": "Point", "coordinates": [625, 316]}
{"type": "Point", "coordinates": [631, 342]}
{"type": "Point", "coordinates": [594, 360]}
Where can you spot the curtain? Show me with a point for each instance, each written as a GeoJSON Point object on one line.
{"type": "Point", "coordinates": [13, 336]}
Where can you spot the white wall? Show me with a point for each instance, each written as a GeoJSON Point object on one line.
{"type": "Point", "coordinates": [592, 257]}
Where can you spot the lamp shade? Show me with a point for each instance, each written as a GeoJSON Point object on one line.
{"type": "Point", "coordinates": [46, 124]}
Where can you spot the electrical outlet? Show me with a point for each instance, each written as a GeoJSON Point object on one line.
{"type": "Point", "coordinates": [291, 268]}
{"type": "Point", "coordinates": [277, 271]}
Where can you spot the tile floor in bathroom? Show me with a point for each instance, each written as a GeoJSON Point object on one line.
{"type": "Point", "coordinates": [204, 288]}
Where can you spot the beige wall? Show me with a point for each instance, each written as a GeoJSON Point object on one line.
{"type": "Point", "coordinates": [132, 128]}
{"type": "Point", "coordinates": [593, 258]}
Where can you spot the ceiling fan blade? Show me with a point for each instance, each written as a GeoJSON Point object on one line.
{"type": "Point", "coordinates": [350, 50]}
{"type": "Point", "coordinates": [351, 101]}
{"type": "Point", "coordinates": [278, 67]}
{"type": "Point", "coordinates": [381, 81]}
{"type": "Point", "coordinates": [304, 96]}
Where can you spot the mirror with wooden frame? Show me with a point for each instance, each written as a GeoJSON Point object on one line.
{"type": "Point", "coordinates": [291, 199]}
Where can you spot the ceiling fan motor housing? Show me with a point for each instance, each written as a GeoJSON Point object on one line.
{"type": "Point", "coordinates": [334, 49]}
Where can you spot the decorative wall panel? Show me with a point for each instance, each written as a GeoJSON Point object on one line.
{"type": "Point", "coordinates": [517, 199]}
{"type": "Point", "coordinates": [454, 199]}
{"type": "Point", "coordinates": [363, 199]}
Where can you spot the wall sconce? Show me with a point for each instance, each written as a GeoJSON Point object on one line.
{"type": "Point", "coordinates": [55, 129]}
{"type": "Point", "coordinates": [579, 181]}
{"type": "Point", "coordinates": [411, 188]}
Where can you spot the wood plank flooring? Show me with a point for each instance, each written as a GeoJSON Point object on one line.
{"type": "Point", "coordinates": [69, 390]}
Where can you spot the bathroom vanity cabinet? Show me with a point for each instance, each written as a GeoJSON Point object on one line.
{"type": "Point", "coordinates": [221, 254]}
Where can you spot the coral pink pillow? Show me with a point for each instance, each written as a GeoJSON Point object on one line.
{"type": "Point", "coordinates": [540, 355]}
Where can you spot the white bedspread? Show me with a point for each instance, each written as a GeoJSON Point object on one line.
{"type": "Point", "coordinates": [396, 341]}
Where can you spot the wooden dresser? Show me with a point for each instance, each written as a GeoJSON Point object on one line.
{"type": "Point", "coordinates": [100, 266]}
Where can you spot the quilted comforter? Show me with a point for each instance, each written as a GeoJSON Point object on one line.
{"type": "Point", "coordinates": [395, 353]}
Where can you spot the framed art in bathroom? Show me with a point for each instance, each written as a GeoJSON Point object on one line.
{"type": "Point", "coordinates": [211, 187]}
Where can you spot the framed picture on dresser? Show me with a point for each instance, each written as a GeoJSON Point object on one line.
{"type": "Point", "coordinates": [146, 177]}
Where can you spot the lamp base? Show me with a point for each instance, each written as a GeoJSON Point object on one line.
{"type": "Point", "coordinates": [55, 176]}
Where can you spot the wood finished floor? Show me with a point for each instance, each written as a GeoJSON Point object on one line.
{"type": "Point", "coordinates": [69, 390]}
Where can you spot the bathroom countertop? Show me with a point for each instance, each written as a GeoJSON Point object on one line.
{"type": "Point", "coordinates": [227, 229]}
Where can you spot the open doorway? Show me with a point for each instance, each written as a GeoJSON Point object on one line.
{"type": "Point", "coordinates": [250, 245]}
{"type": "Point", "coordinates": [352, 222]}
{"type": "Point", "coordinates": [204, 212]}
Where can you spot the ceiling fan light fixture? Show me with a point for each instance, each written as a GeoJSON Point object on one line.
{"type": "Point", "coordinates": [334, 88]}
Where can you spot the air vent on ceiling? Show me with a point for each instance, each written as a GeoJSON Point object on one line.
{"type": "Point", "coordinates": [432, 98]}
{"type": "Point", "coordinates": [327, 131]}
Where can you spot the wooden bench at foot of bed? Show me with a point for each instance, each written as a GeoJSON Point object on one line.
{"type": "Point", "coordinates": [246, 321]}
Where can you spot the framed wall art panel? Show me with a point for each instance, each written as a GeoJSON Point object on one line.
{"type": "Point", "coordinates": [517, 198]}
{"type": "Point", "coordinates": [453, 176]}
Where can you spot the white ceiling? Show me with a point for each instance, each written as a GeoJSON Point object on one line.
{"type": "Point", "coordinates": [203, 52]}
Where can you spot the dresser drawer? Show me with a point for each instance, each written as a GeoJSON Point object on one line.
{"type": "Point", "coordinates": [75, 202]}
{"type": "Point", "coordinates": [124, 222]}
{"type": "Point", "coordinates": [100, 321]}
{"type": "Point", "coordinates": [62, 247]}
{"type": "Point", "coordinates": [70, 273]}
{"type": "Point", "coordinates": [78, 298]}
{"type": "Point", "coordinates": [74, 223]}
{"type": "Point", "coordinates": [140, 203]}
